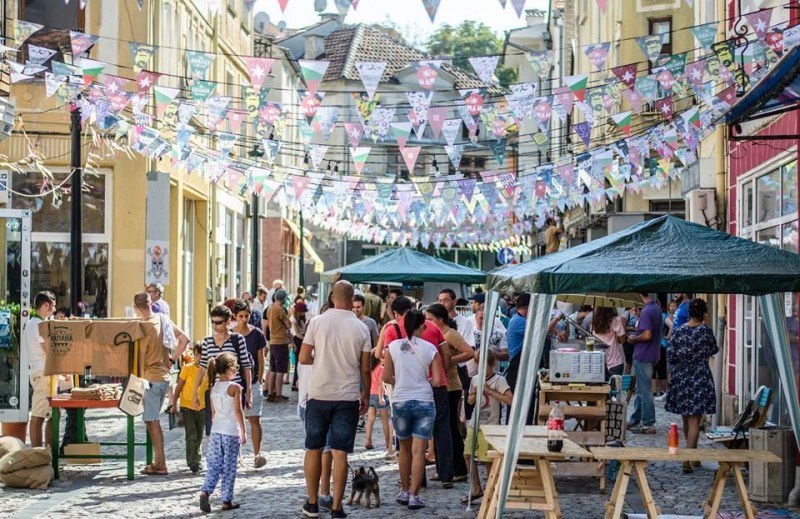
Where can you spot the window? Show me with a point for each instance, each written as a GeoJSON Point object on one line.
{"type": "Point", "coordinates": [676, 206]}
{"type": "Point", "coordinates": [768, 205]}
{"type": "Point", "coordinates": [58, 19]}
{"type": "Point", "coordinates": [662, 26]}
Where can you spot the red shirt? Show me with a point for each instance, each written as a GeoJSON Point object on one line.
{"type": "Point", "coordinates": [432, 334]}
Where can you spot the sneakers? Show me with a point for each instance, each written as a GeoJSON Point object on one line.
{"type": "Point", "coordinates": [259, 461]}
{"type": "Point", "coordinates": [310, 510]}
{"type": "Point", "coordinates": [687, 467]}
{"type": "Point", "coordinates": [644, 429]}
{"type": "Point", "coordinates": [338, 514]}
{"type": "Point", "coordinates": [415, 503]}
{"type": "Point", "coordinates": [661, 397]}
{"type": "Point", "coordinates": [205, 505]}
{"type": "Point", "coordinates": [402, 498]}
{"type": "Point", "coordinates": [632, 425]}
{"type": "Point", "coordinates": [326, 503]}
{"type": "Point", "coordinates": [194, 468]}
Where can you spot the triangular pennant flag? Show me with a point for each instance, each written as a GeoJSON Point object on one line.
{"type": "Point", "coordinates": [705, 34]}
{"type": "Point", "coordinates": [81, 42]}
{"type": "Point", "coordinates": [410, 156]}
{"type": "Point", "coordinates": [519, 6]}
{"type": "Point", "coordinates": [258, 69]}
{"type": "Point", "coordinates": [401, 131]}
{"type": "Point", "coordinates": [584, 131]}
{"type": "Point", "coordinates": [623, 120]}
{"type": "Point", "coordinates": [310, 103]}
{"type": "Point", "coordinates": [484, 67]}
{"type": "Point", "coordinates": [431, 6]}
{"type": "Point", "coordinates": [355, 132]}
{"type": "Point", "coordinates": [427, 71]}
{"type": "Point", "coordinates": [164, 96]}
{"type": "Point", "coordinates": [499, 149]}
{"type": "Point", "coordinates": [342, 6]}
{"type": "Point", "coordinates": [437, 115]}
{"type": "Point", "coordinates": [140, 55]}
{"type": "Point", "coordinates": [283, 4]}
{"type": "Point", "coordinates": [647, 86]}
{"type": "Point", "coordinates": [759, 21]}
{"type": "Point", "coordinates": [577, 84]}
{"type": "Point", "coordinates": [39, 55]}
{"type": "Point", "coordinates": [651, 46]}
{"type": "Point", "coordinates": [635, 99]}
{"type": "Point", "coordinates": [541, 61]}
{"type": "Point", "coordinates": [317, 153]}
{"type": "Point", "coordinates": [271, 149]}
{"type": "Point", "coordinates": [371, 73]}
{"type": "Point", "coordinates": [418, 115]}
{"type": "Point", "coordinates": [313, 73]}
{"type": "Point", "coordinates": [602, 4]}
{"type": "Point", "coordinates": [91, 70]}
{"type": "Point", "coordinates": [24, 30]}
{"type": "Point", "coordinates": [450, 130]}
{"type": "Point", "coordinates": [626, 74]}
{"type": "Point", "coordinates": [666, 107]}
{"type": "Point", "coordinates": [360, 155]}
{"type": "Point", "coordinates": [51, 83]}
{"type": "Point", "coordinates": [597, 54]}
{"type": "Point", "coordinates": [455, 152]}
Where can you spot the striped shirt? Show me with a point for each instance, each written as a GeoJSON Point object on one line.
{"type": "Point", "coordinates": [211, 350]}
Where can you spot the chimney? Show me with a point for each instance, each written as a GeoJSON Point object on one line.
{"type": "Point", "coordinates": [314, 46]}
{"type": "Point", "coordinates": [324, 17]}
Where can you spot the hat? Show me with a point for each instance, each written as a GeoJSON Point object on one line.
{"type": "Point", "coordinates": [280, 295]}
{"type": "Point", "coordinates": [479, 298]}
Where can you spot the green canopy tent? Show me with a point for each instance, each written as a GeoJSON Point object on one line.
{"type": "Point", "coordinates": [404, 265]}
{"type": "Point", "coordinates": [666, 254]}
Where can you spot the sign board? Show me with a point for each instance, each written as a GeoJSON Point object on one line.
{"type": "Point", "coordinates": [505, 256]}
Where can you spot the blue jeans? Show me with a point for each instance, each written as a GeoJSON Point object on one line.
{"type": "Point", "coordinates": [413, 418]}
{"type": "Point", "coordinates": [338, 419]}
{"type": "Point", "coordinates": [644, 410]}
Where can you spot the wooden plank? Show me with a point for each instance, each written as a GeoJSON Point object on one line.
{"type": "Point", "coordinates": [749, 513]}
{"type": "Point", "coordinates": [662, 454]}
{"type": "Point", "coordinates": [620, 490]}
{"type": "Point", "coordinates": [532, 448]}
{"type": "Point", "coordinates": [549, 487]}
{"type": "Point", "coordinates": [717, 490]}
{"type": "Point", "coordinates": [490, 492]}
{"type": "Point", "coordinates": [644, 490]}
{"type": "Point", "coordinates": [578, 412]}
{"type": "Point", "coordinates": [502, 430]}
{"type": "Point", "coordinates": [577, 388]}
{"type": "Point", "coordinates": [578, 469]}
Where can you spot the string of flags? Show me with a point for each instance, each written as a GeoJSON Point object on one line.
{"type": "Point", "coordinates": [199, 129]}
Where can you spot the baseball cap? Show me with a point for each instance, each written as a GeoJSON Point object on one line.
{"type": "Point", "coordinates": [480, 298]}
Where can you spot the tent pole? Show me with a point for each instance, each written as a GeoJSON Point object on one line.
{"type": "Point", "coordinates": [719, 360]}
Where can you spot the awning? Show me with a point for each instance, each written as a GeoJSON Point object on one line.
{"type": "Point", "coordinates": [777, 92]}
{"type": "Point", "coordinates": [319, 265]}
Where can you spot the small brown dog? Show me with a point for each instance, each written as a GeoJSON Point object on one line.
{"type": "Point", "coordinates": [365, 482]}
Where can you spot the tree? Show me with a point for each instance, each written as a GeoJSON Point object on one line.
{"type": "Point", "coordinates": [468, 40]}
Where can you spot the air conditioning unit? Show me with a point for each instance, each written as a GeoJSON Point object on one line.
{"type": "Point", "coordinates": [701, 206]}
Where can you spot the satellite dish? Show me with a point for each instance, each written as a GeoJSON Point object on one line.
{"type": "Point", "coordinates": [320, 5]}
{"type": "Point", "coordinates": [282, 26]}
{"type": "Point", "coordinates": [261, 22]}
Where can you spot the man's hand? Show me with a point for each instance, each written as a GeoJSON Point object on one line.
{"type": "Point", "coordinates": [363, 405]}
{"type": "Point", "coordinates": [196, 401]}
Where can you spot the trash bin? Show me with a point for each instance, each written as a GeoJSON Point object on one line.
{"type": "Point", "coordinates": [771, 482]}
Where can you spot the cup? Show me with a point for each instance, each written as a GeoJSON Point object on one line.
{"type": "Point", "coordinates": [589, 343]}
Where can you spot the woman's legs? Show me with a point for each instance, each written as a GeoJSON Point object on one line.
{"type": "Point", "coordinates": [417, 464]}
{"type": "Point", "coordinates": [692, 430]}
{"type": "Point", "coordinates": [405, 464]}
{"type": "Point", "coordinates": [459, 466]}
{"type": "Point", "coordinates": [370, 425]}
{"type": "Point", "coordinates": [387, 431]}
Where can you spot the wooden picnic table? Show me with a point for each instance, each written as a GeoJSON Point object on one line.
{"type": "Point", "coordinates": [635, 459]}
{"type": "Point", "coordinates": [532, 487]}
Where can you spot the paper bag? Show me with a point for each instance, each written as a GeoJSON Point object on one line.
{"type": "Point", "coordinates": [132, 401]}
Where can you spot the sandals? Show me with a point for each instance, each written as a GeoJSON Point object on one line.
{"type": "Point", "coordinates": [369, 446]}
{"type": "Point", "coordinates": [472, 497]}
{"type": "Point", "coordinates": [205, 506]}
{"type": "Point", "coordinates": [229, 506]}
{"type": "Point", "coordinates": [150, 470]}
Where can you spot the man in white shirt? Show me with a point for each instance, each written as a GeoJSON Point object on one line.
{"type": "Point", "coordinates": [338, 347]}
{"type": "Point", "coordinates": [276, 285]}
{"type": "Point", "coordinates": [476, 303]}
{"type": "Point", "coordinates": [33, 344]}
{"type": "Point", "coordinates": [257, 307]}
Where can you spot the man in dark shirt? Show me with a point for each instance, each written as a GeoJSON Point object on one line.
{"type": "Point", "coordinates": [647, 350]}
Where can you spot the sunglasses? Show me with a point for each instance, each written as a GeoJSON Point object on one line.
{"type": "Point", "coordinates": [214, 321]}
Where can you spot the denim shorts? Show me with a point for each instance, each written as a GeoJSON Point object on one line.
{"type": "Point", "coordinates": [413, 418]}
{"type": "Point", "coordinates": [154, 400]}
{"type": "Point", "coordinates": [301, 412]}
{"type": "Point", "coordinates": [257, 400]}
{"type": "Point", "coordinates": [339, 418]}
{"type": "Point", "coordinates": [378, 402]}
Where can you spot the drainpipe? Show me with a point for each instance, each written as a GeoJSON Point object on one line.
{"type": "Point", "coordinates": [794, 495]}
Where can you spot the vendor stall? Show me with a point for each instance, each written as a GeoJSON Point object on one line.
{"type": "Point", "coordinates": [102, 347]}
{"type": "Point", "coordinates": [665, 254]}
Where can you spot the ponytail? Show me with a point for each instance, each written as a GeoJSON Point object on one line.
{"type": "Point", "coordinates": [411, 321]}
{"type": "Point", "coordinates": [212, 372]}
{"type": "Point", "coordinates": [222, 363]}
{"type": "Point", "coordinates": [440, 312]}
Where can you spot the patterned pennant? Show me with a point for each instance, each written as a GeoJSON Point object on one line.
{"type": "Point", "coordinates": [647, 86]}
{"type": "Point", "coordinates": [410, 156]}
{"type": "Point", "coordinates": [666, 107]}
{"type": "Point", "coordinates": [309, 103]}
{"type": "Point", "coordinates": [371, 73]}
{"type": "Point", "coordinates": [634, 98]}
{"type": "Point", "coordinates": [455, 152]}
{"type": "Point", "coordinates": [360, 156]}
{"type": "Point", "coordinates": [427, 71]}
{"type": "Point", "coordinates": [541, 61]}
{"type": "Point", "coordinates": [39, 55]}
{"type": "Point", "coordinates": [499, 149]}
{"type": "Point", "coordinates": [626, 74]}
{"type": "Point", "coordinates": [759, 21]}
{"type": "Point", "coordinates": [140, 55]}
{"type": "Point", "coordinates": [258, 69]}
{"type": "Point", "coordinates": [145, 80]}
{"type": "Point", "coordinates": [484, 67]}
{"type": "Point", "coordinates": [705, 34]}
{"type": "Point", "coordinates": [24, 30]}
{"type": "Point", "coordinates": [418, 115]}
{"type": "Point", "coordinates": [450, 129]}
{"type": "Point", "coordinates": [597, 54]}
{"type": "Point", "coordinates": [317, 152]}
{"type": "Point", "coordinates": [271, 149]}
{"type": "Point", "coordinates": [200, 91]}
{"type": "Point", "coordinates": [431, 6]}
{"type": "Point", "coordinates": [81, 42]}
{"type": "Point", "coordinates": [651, 46]}
{"type": "Point", "coordinates": [584, 131]}
{"type": "Point", "coordinates": [313, 73]}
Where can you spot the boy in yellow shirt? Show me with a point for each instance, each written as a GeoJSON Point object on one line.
{"type": "Point", "coordinates": [194, 419]}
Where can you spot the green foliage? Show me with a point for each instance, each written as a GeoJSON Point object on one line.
{"type": "Point", "coordinates": [468, 40]}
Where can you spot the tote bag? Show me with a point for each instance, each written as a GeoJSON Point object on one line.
{"type": "Point", "coordinates": [616, 412]}
{"type": "Point", "coordinates": [132, 401]}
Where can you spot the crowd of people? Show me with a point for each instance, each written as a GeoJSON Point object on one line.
{"type": "Point", "coordinates": [379, 355]}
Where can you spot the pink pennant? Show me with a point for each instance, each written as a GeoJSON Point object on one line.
{"type": "Point", "coordinates": [602, 4]}
{"type": "Point", "coordinates": [145, 80]}
{"type": "Point", "coordinates": [634, 98]}
{"type": "Point", "coordinates": [410, 155]}
{"type": "Point", "coordinates": [437, 115]}
{"type": "Point", "coordinates": [355, 132]}
{"type": "Point", "coordinates": [666, 107]}
{"type": "Point", "coordinates": [354, 3]}
{"type": "Point", "coordinates": [235, 119]}
{"type": "Point", "coordinates": [566, 98]}
{"type": "Point", "coordinates": [299, 184]}
{"type": "Point", "coordinates": [759, 21]}
{"type": "Point", "coordinates": [283, 4]}
{"type": "Point", "coordinates": [258, 69]}
{"type": "Point", "coordinates": [626, 74]}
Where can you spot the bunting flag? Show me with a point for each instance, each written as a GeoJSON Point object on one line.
{"type": "Point", "coordinates": [418, 115]}
{"type": "Point", "coordinates": [602, 5]}
{"type": "Point", "coordinates": [623, 121]}
{"type": "Point", "coordinates": [775, 40]}
{"type": "Point", "coordinates": [436, 118]}
{"type": "Point", "coordinates": [200, 91]}
{"type": "Point", "coordinates": [519, 7]}
{"type": "Point", "coordinates": [140, 55]}
{"type": "Point", "coordinates": [81, 42]}
{"type": "Point", "coordinates": [145, 80]}
{"type": "Point", "coordinates": [371, 73]}
{"type": "Point", "coordinates": [431, 6]}
{"type": "Point", "coordinates": [309, 103]}
{"type": "Point", "coordinates": [342, 6]}
{"type": "Point", "coordinates": [91, 70]}
{"type": "Point", "coordinates": [484, 67]}
{"type": "Point", "coordinates": [647, 86]}
{"type": "Point", "coordinates": [455, 152]}
{"type": "Point", "coordinates": [164, 96]}
{"type": "Point", "coordinates": [360, 155]}
{"type": "Point", "coordinates": [313, 72]}
{"type": "Point", "coordinates": [317, 152]}
{"type": "Point", "coordinates": [695, 72]}
{"type": "Point", "coordinates": [450, 130]}
{"type": "Point", "coordinates": [410, 156]}
{"type": "Point", "coordinates": [24, 30]}
{"type": "Point", "coordinates": [198, 63]}
{"type": "Point", "coordinates": [635, 99]}
{"type": "Point", "coordinates": [39, 55]}
{"type": "Point", "coordinates": [759, 21]}
{"type": "Point", "coordinates": [325, 120]}
{"type": "Point", "coordinates": [597, 54]}
{"type": "Point", "coordinates": [283, 4]}
{"type": "Point", "coordinates": [355, 133]}
{"type": "Point", "coordinates": [541, 61]}
{"type": "Point", "coordinates": [577, 84]}
{"type": "Point", "coordinates": [258, 69]}
{"type": "Point", "coordinates": [271, 149]}
{"type": "Point", "coordinates": [626, 74]}
{"type": "Point", "coordinates": [705, 34]}
{"type": "Point", "coordinates": [427, 71]}
{"type": "Point", "coordinates": [584, 131]}
{"type": "Point", "coordinates": [499, 150]}
{"type": "Point", "coordinates": [666, 107]}
{"type": "Point", "coordinates": [235, 120]}
{"type": "Point", "coordinates": [401, 131]}
{"type": "Point", "coordinates": [651, 46]}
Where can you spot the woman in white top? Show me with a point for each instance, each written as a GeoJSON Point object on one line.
{"type": "Point", "coordinates": [227, 431]}
{"type": "Point", "coordinates": [411, 366]}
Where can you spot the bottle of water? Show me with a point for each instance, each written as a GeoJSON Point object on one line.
{"type": "Point", "coordinates": [555, 428]}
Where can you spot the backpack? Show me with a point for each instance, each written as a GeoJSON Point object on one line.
{"type": "Point", "coordinates": [235, 340]}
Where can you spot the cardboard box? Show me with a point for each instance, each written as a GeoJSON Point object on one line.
{"type": "Point", "coordinates": [85, 449]}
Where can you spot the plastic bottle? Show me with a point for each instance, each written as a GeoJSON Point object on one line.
{"type": "Point", "coordinates": [555, 428]}
{"type": "Point", "coordinates": [674, 439]}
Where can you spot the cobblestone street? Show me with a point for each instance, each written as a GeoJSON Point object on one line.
{"type": "Point", "coordinates": [278, 490]}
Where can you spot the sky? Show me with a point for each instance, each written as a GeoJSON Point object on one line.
{"type": "Point", "coordinates": [409, 16]}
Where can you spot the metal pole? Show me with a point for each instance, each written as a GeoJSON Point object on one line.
{"type": "Point", "coordinates": [75, 231]}
{"type": "Point", "coordinates": [301, 279]}
{"type": "Point", "coordinates": [255, 254]}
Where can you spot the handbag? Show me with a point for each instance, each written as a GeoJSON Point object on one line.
{"type": "Point", "coordinates": [132, 400]}
{"type": "Point", "coordinates": [616, 412]}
